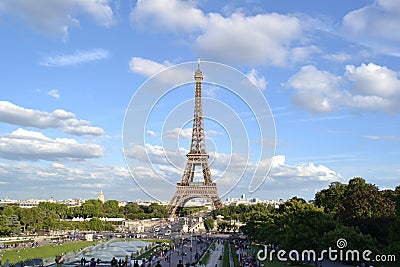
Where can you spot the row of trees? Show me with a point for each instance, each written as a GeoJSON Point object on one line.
{"type": "Point", "coordinates": [368, 218]}
{"type": "Point", "coordinates": [48, 216]}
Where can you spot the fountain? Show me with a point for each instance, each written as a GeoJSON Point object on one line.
{"type": "Point", "coordinates": [106, 251]}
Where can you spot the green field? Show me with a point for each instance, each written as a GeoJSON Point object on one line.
{"type": "Point", "coordinates": [46, 251]}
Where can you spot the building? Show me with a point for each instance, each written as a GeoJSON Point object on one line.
{"type": "Point", "coordinates": [101, 196]}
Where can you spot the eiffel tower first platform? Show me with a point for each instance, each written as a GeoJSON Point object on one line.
{"type": "Point", "coordinates": [187, 189]}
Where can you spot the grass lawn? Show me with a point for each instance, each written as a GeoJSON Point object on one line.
{"type": "Point", "coordinates": [225, 258]}
{"type": "Point", "coordinates": [46, 251]}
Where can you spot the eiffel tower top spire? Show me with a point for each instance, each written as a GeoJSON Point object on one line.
{"type": "Point", "coordinates": [198, 75]}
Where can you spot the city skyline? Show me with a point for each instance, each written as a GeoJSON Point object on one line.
{"type": "Point", "coordinates": [70, 69]}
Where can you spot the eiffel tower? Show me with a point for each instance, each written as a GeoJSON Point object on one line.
{"type": "Point", "coordinates": [188, 189]}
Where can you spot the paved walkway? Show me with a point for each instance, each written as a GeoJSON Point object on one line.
{"type": "Point", "coordinates": [186, 253]}
{"type": "Point", "coordinates": [216, 254]}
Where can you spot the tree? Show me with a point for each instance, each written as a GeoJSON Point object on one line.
{"type": "Point", "coordinates": [29, 218]}
{"type": "Point", "coordinates": [394, 232]}
{"type": "Point", "coordinates": [5, 229]}
{"type": "Point", "coordinates": [157, 211]}
{"type": "Point", "coordinates": [331, 197]}
{"type": "Point", "coordinates": [91, 208]}
{"type": "Point", "coordinates": [295, 225]}
{"type": "Point", "coordinates": [223, 226]}
{"type": "Point", "coordinates": [49, 207]}
{"type": "Point", "coordinates": [13, 223]}
{"type": "Point", "coordinates": [133, 211]}
{"type": "Point", "coordinates": [364, 206]}
{"type": "Point", "coordinates": [111, 209]}
{"type": "Point", "coordinates": [96, 224]}
{"type": "Point", "coordinates": [209, 224]}
{"type": "Point", "coordinates": [354, 240]}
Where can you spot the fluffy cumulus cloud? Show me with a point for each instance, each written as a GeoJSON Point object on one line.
{"type": "Point", "coordinates": [307, 172]}
{"type": "Point", "coordinates": [375, 25]}
{"type": "Point", "coordinates": [30, 145]}
{"type": "Point", "coordinates": [64, 120]}
{"type": "Point", "coordinates": [171, 76]}
{"type": "Point", "coordinates": [55, 17]}
{"type": "Point", "coordinates": [172, 15]}
{"type": "Point", "coordinates": [225, 38]}
{"type": "Point", "coordinates": [368, 87]}
{"type": "Point", "coordinates": [146, 67]}
{"type": "Point", "coordinates": [259, 36]}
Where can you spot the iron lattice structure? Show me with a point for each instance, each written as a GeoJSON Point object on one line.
{"type": "Point", "coordinates": [188, 189]}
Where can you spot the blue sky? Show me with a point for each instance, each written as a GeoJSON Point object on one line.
{"type": "Point", "coordinates": [69, 70]}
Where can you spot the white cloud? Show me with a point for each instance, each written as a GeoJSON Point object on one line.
{"type": "Point", "coordinates": [316, 90]}
{"type": "Point", "coordinates": [156, 154]}
{"type": "Point", "coordinates": [368, 87]}
{"type": "Point", "coordinates": [54, 93]}
{"type": "Point", "coordinates": [239, 38]}
{"type": "Point", "coordinates": [304, 172]}
{"type": "Point", "coordinates": [55, 17]}
{"type": "Point", "coordinates": [338, 57]}
{"type": "Point", "coordinates": [210, 91]}
{"type": "Point", "coordinates": [64, 120]}
{"type": "Point", "coordinates": [145, 173]}
{"type": "Point", "coordinates": [383, 137]}
{"type": "Point", "coordinates": [99, 10]}
{"type": "Point", "coordinates": [257, 79]}
{"type": "Point", "coordinates": [373, 80]}
{"type": "Point", "coordinates": [179, 133]}
{"type": "Point", "coordinates": [375, 25]}
{"type": "Point", "coordinates": [151, 133]}
{"type": "Point", "coordinates": [165, 75]}
{"type": "Point", "coordinates": [29, 145]}
{"type": "Point", "coordinates": [173, 15]}
{"type": "Point", "coordinates": [146, 67]}
{"type": "Point", "coordinates": [250, 39]}
{"type": "Point", "coordinates": [76, 58]}
{"type": "Point", "coordinates": [227, 170]}
{"type": "Point", "coordinates": [67, 180]}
